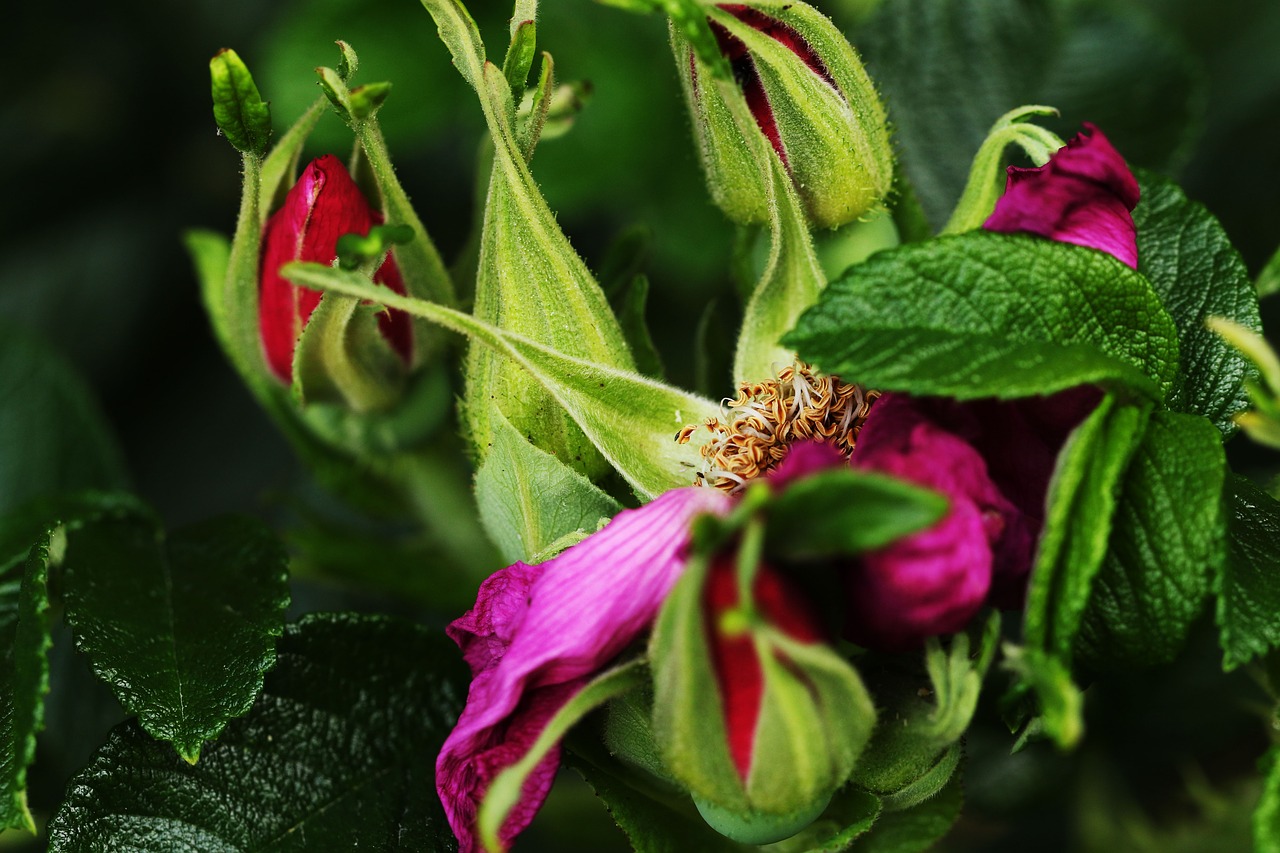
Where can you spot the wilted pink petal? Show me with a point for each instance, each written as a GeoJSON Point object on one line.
{"type": "Point", "coordinates": [1083, 195]}
{"type": "Point", "coordinates": [934, 581]}
{"type": "Point", "coordinates": [538, 633]}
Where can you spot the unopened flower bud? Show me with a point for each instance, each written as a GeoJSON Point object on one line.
{"type": "Point", "coordinates": [811, 99]}
{"type": "Point", "coordinates": [754, 713]}
{"type": "Point", "coordinates": [324, 205]}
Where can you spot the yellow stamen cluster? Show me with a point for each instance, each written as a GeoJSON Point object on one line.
{"type": "Point", "coordinates": [757, 428]}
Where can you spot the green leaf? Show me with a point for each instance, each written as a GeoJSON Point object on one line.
{"type": "Point", "coordinates": [915, 829]}
{"type": "Point", "coordinates": [1248, 587]}
{"type": "Point", "coordinates": [1197, 273]}
{"type": "Point", "coordinates": [1269, 279]}
{"type": "Point", "coordinates": [851, 814]}
{"type": "Point", "coordinates": [631, 419]}
{"type": "Point", "coordinates": [53, 437]}
{"type": "Point", "coordinates": [1266, 817]}
{"type": "Point", "coordinates": [21, 528]}
{"type": "Point", "coordinates": [181, 627]}
{"type": "Point", "coordinates": [917, 51]}
{"type": "Point", "coordinates": [1166, 546]}
{"type": "Point", "coordinates": [843, 511]}
{"type": "Point", "coordinates": [342, 358]}
{"type": "Point", "coordinates": [633, 299]}
{"type": "Point", "coordinates": [242, 115]}
{"type": "Point", "coordinates": [336, 754]}
{"type": "Point", "coordinates": [529, 499]}
{"type": "Point", "coordinates": [24, 678]}
{"type": "Point", "coordinates": [1081, 504]}
{"type": "Point", "coordinates": [990, 315]}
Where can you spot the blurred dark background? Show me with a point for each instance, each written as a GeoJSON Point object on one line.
{"type": "Point", "coordinates": [110, 152]}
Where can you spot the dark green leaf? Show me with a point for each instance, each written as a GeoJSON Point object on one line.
{"type": "Point", "coordinates": [1197, 273]}
{"type": "Point", "coordinates": [52, 436]}
{"type": "Point", "coordinates": [1101, 46]}
{"type": "Point", "coordinates": [241, 113]}
{"type": "Point", "coordinates": [635, 328]}
{"type": "Point", "coordinates": [1080, 506]}
{"type": "Point", "coordinates": [1248, 588]}
{"type": "Point", "coordinates": [917, 51]}
{"type": "Point", "coordinates": [917, 828]}
{"type": "Point", "coordinates": [842, 511]}
{"type": "Point", "coordinates": [338, 753]}
{"type": "Point", "coordinates": [22, 527]}
{"type": "Point", "coordinates": [990, 315]}
{"type": "Point", "coordinates": [182, 627]}
{"type": "Point", "coordinates": [1014, 52]}
{"type": "Point", "coordinates": [850, 815]}
{"type": "Point", "coordinates": [1166, 546]}
{"type": "Point", "coordinates": [529, 500]}
{"type": "Point", "coordinates": [24, 678]}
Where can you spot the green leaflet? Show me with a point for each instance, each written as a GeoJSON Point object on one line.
{"type": "Point", "coordinates": [24, 678]}
{"type": "Point", "coordinates": [843, 511]}
{"type": "Point", "coordinates": [53, 438]}
{"type": "Point", "coordinates": [991, 315]}
{"type": "Point", "coordinates": [631, 419]}
{"type": "Point", "coordinates": [241, 114]}
{"type": "Point", "coordinates": [529, 499]}
{"type": "Point", "coordinates": [1165, 549]}
{"type": "Point", "coordinates": [1197, 273]}
{"type": "Point", "coordinates": [1248, 588]}
{"type": "Point", "coordinates": [1268, 282]}
{"type": "Point", "coordinates": [1081, 507]}
{"type": "Point", "coordinates": [337, 753]}
{"type": "Point", "coordinates": [181, 627]}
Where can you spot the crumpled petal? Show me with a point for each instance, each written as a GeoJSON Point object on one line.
{"type": "Point", "coordinates": [1083, 195]}
{"type": "Point", "coordinates": [934, 581]}
{"type": "Point", "coordinates": [320, 207]}
{"type": "Point", "coordinates": [538, 633]}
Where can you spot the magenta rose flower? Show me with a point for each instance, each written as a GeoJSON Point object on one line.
{"type": "Point", "coordinates": [1083, 195]}
{"type": "Point", "coordinates": [322, 206]}
{"type": "Point", "coordinates": [538, 633]}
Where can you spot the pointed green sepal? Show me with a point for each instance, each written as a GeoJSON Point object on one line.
{"type": "Point", "coordinates": [342, 358]}
{"type": "Point", "coordinates": [241, 114]}
{"type": "Point", "coordinates": [987, 175]}
{"type": "Point", "coordinates": [630, 419]}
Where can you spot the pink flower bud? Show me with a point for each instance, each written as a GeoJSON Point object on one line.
{"type": "Point", "coordinates": [323, 205]}
{"type": "Point", "coordinates": [734, 652]}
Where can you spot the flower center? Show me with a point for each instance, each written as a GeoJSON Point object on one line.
{"type": "Point", "coordinates": [755, 430]}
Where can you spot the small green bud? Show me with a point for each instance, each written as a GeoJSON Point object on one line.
{"type": "Point", "coordinates": [241, 114]}
{"type": "Point", "coordinates": [811, 99]}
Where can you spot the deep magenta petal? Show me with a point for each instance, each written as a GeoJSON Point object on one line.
{"type": "Point", "coordinates": [542, 631]}
{"type": "Point", "coordinates": [1084, 195]}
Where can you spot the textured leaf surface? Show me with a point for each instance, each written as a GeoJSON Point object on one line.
{"type": "Point", "coordinates": [52, 436]}
{"type": "Point", "coordinates": [1248, 588]}
{"type": "Point", "coordinates": [1080, 507]}
{"type": "Point", "coordinates": [24, 678]}
{"type": "Point", "coordinates": [1165, 549]}
{"type": "Point", "coordinates": [337, 754]}
{"type": "Point", "coordinates": [182, 627]}
{"type": "Point", "coordinates": [1024, 52]}
{"type": "Point", "coordinates": [1197, 273]}
{"type": "Point", "coordinates": [529, 499]}
{"type": "Point", "coordinates": [990, 315]}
